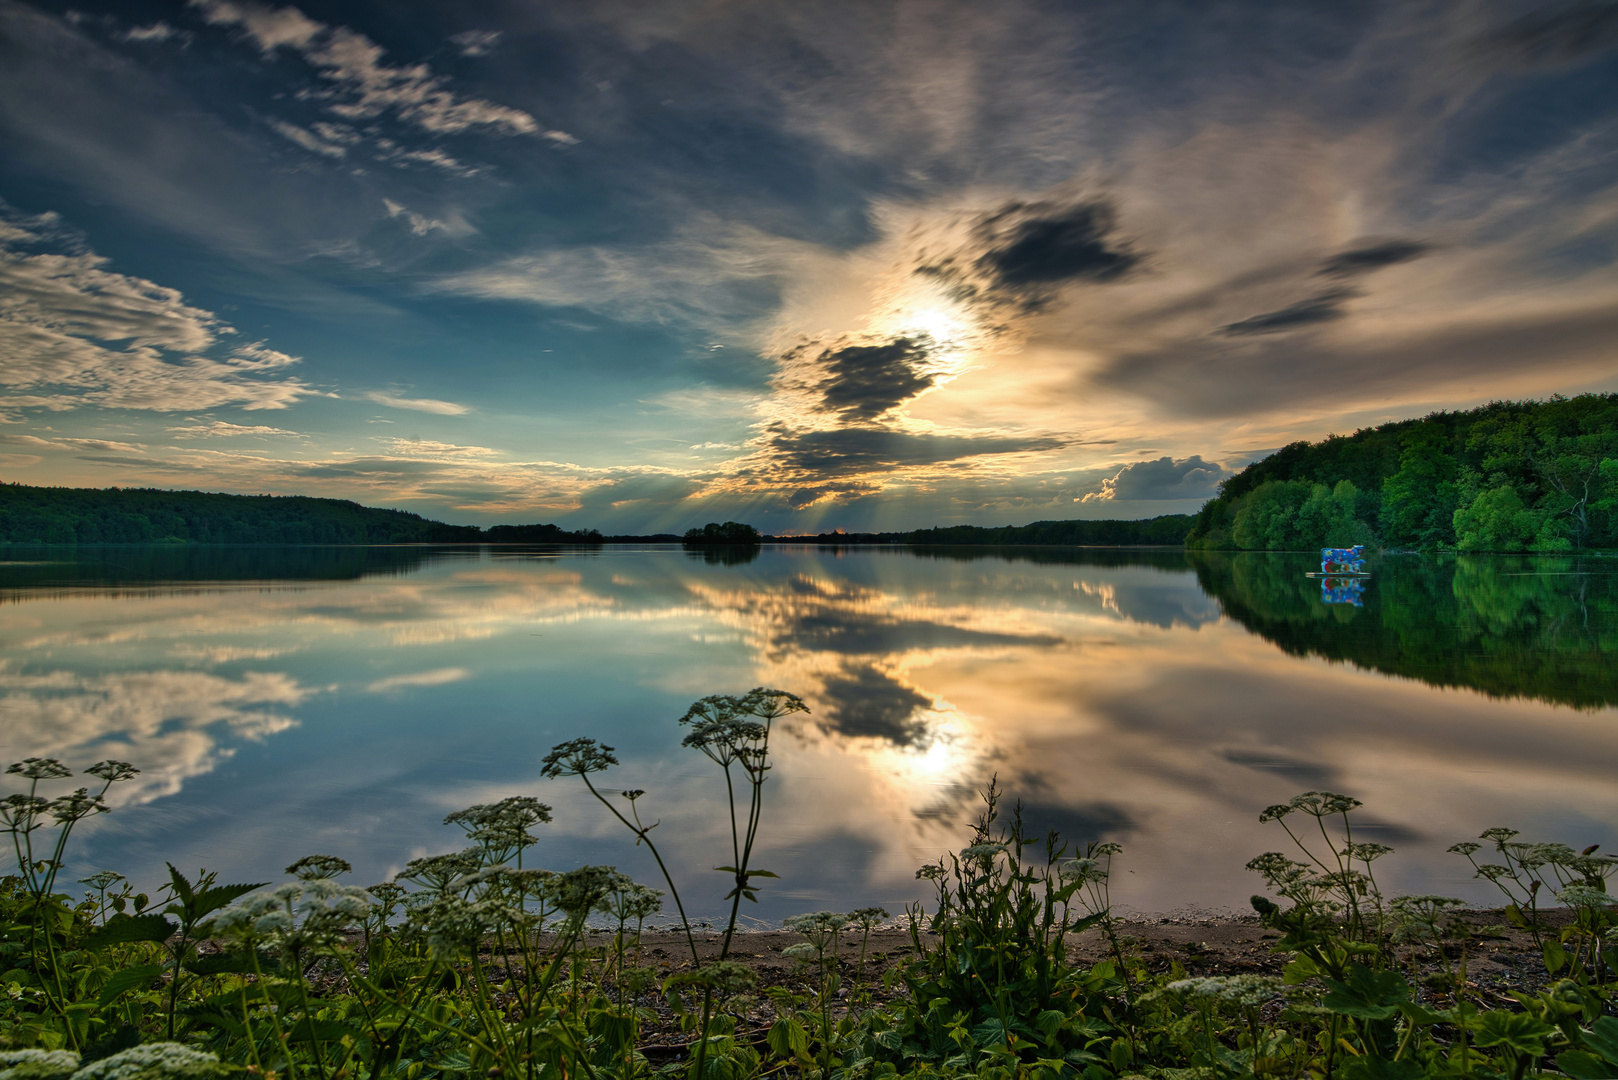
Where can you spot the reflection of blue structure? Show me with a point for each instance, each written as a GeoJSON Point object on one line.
{"type": "Point", "coordinates": [1343, 560]}
{"type": "Point", "coordinates": [1343, 591]}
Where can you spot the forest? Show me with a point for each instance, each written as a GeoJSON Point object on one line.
{"type": "Point", "coordinates": [50, 515]}
{"type": "Point", "coordinates": [1168, 530]}
{"type": "Point", "coordinates": [1510, 476]}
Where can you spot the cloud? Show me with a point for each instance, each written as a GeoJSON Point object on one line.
{"type": "Point", "coordinates": [1326, 307]}
{"type": "Point", "coordinates": [1165, 478]}
{"type": "Point", "coordinates": [70, 444]}
{"type": "Point", "coordinates": [220, 429]}
{"type": "Point", "coordinates": [426, 405]}
{"type": "Point", "coordinates": [861, 382]}
{"type": "Point", "coordinates": [308, 140]}
{"type": "Point", "coordinates": [712, 275]}
{"type": "Point", "coordinates": [1022, 253]}
{"type": "Point", "coordinates": [421, 226]}
{"type": "Point", "coordinates": [869, 703]}
{"type": "Point", "coordinates": [476, 42]}
{"type": "Point", "coordinates": [158, 31]}
{"type": "Point", "coordinates": [439, 677]}
{"type": "Point", "coordinates": [1556, 34]}
{"type": "Point", "coordinates": [172, 722]}
{"type": "Point", "coordinates": [844, 451]}
{"type": "Point", "coordinates": [60, 313]}
{"type": "Point", "coordinates": [1363, 260]}
{"type": "Point", "coordinates": [428, 446]}
{"type": "Point", "coordinates": [361, 85]}
{"type": "Point", "coordinates": [438, 160]}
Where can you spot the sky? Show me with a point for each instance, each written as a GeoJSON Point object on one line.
{"type": "Point", "coordinates": [812, 265]}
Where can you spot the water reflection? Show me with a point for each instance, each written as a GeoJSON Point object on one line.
{"type": "Point", "coordinates": [1535, 627]}
{"type": "Point", "coordinates": [344, 700]}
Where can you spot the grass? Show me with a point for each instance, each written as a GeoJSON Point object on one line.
{"type": "Point", "coordinates": [476, 964]}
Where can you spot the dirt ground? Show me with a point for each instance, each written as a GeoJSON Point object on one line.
{"type": "Point", "coordinates": [1499, 962]}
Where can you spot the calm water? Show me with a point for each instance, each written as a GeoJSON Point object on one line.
{"type": "Point", "coordinates": [343, 700]}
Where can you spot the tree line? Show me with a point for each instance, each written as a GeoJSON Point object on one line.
{"type": "Point", "coordinates": [1512, 476]}
{"type": "Point", "coordinates": [52, 515]}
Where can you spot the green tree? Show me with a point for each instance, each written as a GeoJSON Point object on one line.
{"type": "Point", "coordinates": [1497, 520]}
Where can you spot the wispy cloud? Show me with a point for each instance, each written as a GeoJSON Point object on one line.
{"type": "Point", "coordinates": [438, 677]}
{"type": "Point", "coordinates": [75, 333]}
{"type": "Point", "coordinates": [360, 84]}
{"type": "Point", "coordinates": [221, 429]}
{"type": "Point", "coordinates": [476, 42]}
{"type": "Point", "coordinates": [426, 405]}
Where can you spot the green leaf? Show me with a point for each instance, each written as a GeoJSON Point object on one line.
{"type": "Point", "coordinates": [213, 899]}
{"type": "Point", "coordinates": [182, 887]}
{"type": "Point", "coordinates": [788, 1038]}
{"type": "Point", "coordinates": [1555, 957]}
{"type": "Point", "coordinates": [1515, 1031]}
{"type": "Point", "coordinates": [762, 873]}
{"type": "Point", "coordinates": [1375, 1068]}
{"type": "Point", "coordinates": [131, 978]}
{"type": "Point", "coordinates": [1583, 1066]}
{"type": "Point", "coordinates": [310, 1030]}
{"type": "Point", "coordinates": [1421, 1016]}
{"type": "Point", "coordinates": [1366, 994]}
{"type": "Point", "coordinates": [1602, 1037]}
{"type": "Point", "coordinates": [228, 963]}
{"type": "Point", "coordinates": [122, 929]}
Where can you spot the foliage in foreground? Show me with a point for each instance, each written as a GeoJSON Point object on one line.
{"type": "Point", "coordinates": [473, 964]}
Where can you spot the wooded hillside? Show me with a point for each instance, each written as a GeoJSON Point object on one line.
{"type": "Point", "coordinates": [1538, 476]}
{"type": "Point", "coordinates": [44, 515]}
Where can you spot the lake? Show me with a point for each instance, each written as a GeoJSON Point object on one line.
{"type": "Point", "coordinates": [287, 701]}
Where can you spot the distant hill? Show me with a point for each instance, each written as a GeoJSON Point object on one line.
{"type": "Point", "coordinates": [1536, 476]}
{"type": "Point", "coordinates": [44, 515]}
{"type": "Point", "coordinates": [49, 515]}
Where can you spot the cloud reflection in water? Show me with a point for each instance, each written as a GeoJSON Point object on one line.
{"type": "Point", "coordinates": [1107, 692]}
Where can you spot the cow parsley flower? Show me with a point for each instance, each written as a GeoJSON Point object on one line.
{"type": "Point", "coordinates": [155, 1061]}
{"type": "Point", "coordinates": [113, 771]}
{"type": "Point", "coordinates": [315, 867]}
{"type": "Point", "coordinates": [37, 1064]}
{"type": "Point", "coordinates": [577, 757]}
{"type": "Point", "coordinates": [439, 872]}
{"type": "Point", "coordinates": [1243, 991]}
{"type": "Point", "coordinates": [37, 768]}
{"type": "Point", "coordinates": [1585, 896]}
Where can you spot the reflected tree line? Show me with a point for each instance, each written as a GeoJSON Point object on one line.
{"type": "Point", "coordinates": [1543, 627]}
{"type": "Point", "coordinates": [1508, 626]}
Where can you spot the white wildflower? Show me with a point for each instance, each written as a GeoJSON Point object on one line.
{"type": "Point", "coordinates": [1585, 896]}
{"type": "Point", "coordinates": [37, 1064]}
{"type": "Point", "coordinates": [154, 1061]}
{"type": "Point", "coordinates": [1247, 991]}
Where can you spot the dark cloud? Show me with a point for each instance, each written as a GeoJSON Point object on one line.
{"type": "Point", "coordinates": [1557, 35]}
{"type": "Point", "coordinates": [1234, 376]}
{"type": "Point", "coordinates": [1304, 774]}
{"type": "Point", "coordinates": [1166, 478]}
{"type": "Point", "coordinates": [1023, 252]}
{"type": "Point", "coordinates": [1363, 260]}
{"type": "Point", "coordinates": [1327, 307]}
{"type": "Point", "coordinates": [141, 463]}
{"type": "Point", "coordinates": [1041, 244]}
{"type": "Point", "coordinates": [850, 633]}
{"type": "Point", "coordinates": [865, 381]}
{"type": "Point", "coordinates": [855, 450]}
{"type": "Point", "coordinates": [871, 704]}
